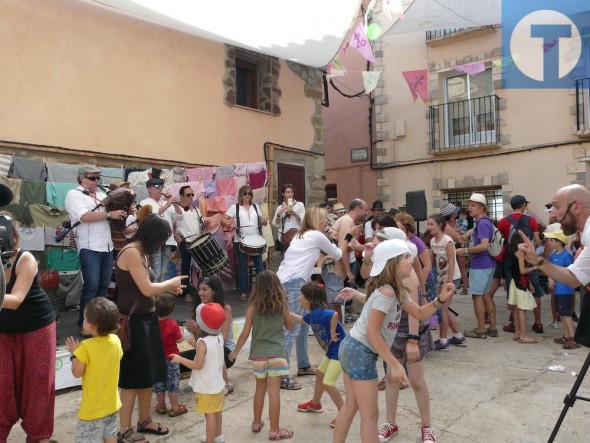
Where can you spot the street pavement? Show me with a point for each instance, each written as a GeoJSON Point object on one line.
{"type": "Point", "coordinates": [493, 390]}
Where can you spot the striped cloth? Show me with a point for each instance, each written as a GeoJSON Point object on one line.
{"type": "Point", "coordinates": [5, 162]}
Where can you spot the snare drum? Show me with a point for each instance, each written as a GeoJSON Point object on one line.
{"type": "Point", "coordinates": [208, 254]}
{"type": "Point", "coordinates": [253, 245]}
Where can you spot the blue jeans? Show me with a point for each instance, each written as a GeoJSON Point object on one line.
{"type": "Point", "coordinates": [159, 263]}
{"type": "Point", "coordinates": [243, 267]}
{"type": "Point", "coordinates": [97, 268]}
{"type": "Point", "coordinates": [300, 332]}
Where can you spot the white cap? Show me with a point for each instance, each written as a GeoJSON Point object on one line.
{"type": "Point", "coordinates": [390, 233]}
{"type": "Point", "coordinates": [386, 250]}
{"type": "Point", "coordinates": [478, 198]}
{"type": "Point", "coordinates": [553, 227]}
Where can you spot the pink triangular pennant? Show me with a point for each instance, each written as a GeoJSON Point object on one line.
{"type": "Point", "coordinates": [471, 68]}
{"type": "Point", "coordinates": [418, 83]}
{"type": "Point", "coordinates": [361, 43]}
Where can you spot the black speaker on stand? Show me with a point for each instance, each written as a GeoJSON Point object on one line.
{"type": "Point", "coordinates": [416, 206]}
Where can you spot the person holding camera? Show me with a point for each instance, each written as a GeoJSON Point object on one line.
{"type": "Point", "coordinates": [288, 216]}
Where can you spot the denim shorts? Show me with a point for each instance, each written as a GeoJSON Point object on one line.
{"type": "Point", "coordinates": [480, 280]}
{"type": "Point", "coordinates": [358, 361]}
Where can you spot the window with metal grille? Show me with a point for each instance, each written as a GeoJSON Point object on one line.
{"type": "Point", "coordinates": [493, 196]}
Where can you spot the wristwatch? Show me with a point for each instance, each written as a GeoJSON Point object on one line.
{"type": "Point", "coordinates": [108, 215]}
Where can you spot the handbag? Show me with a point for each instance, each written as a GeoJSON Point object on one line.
{"type": "Point", "coordinates": [124, 331]}
{"type": "Point", "coordinates": [49, 280]}
{"type": "Point", "coordinates": [278, 245]}
{"type": "Point", "coordinates": [288, 237]}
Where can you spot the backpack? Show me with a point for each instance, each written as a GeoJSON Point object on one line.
{"type": "Point", "coordinates": [519, 225]}
{"type": "Point", "coordinates": [496, 245]}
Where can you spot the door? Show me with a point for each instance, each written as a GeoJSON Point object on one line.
{"type": "Point", "coordinates": [291, 174]}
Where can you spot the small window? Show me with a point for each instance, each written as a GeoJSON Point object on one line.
{"type": "Point", "coordinates": [246, 84]}
{"type": "Point", "coordinates": [493, 197]}
{"type": "Point", "coordinates": [331, 191]}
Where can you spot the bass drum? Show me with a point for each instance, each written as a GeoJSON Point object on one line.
{"type": "Point", "coordinates": [208, 254]}
{"type": "Point", "coordinates": [2, 288]}
{"type": "Point", "coordinates": [253, 245]}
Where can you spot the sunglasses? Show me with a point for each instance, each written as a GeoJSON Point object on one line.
{"type": "Point", "coordinates": [159, 186]}
{"type": "Point", "coordinates": [92, 178]}
{"type": "Point", "coordinates": [247, 193]}
{"type": "Point", "coordinates": [189, 195]}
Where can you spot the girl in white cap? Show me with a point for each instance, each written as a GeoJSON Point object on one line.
{"type": "Point", "coordinates": [372, 336]}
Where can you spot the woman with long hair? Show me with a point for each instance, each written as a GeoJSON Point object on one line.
{"type": "Point", "coordinates": [289, 214]}
{"type": "Point", "coordinates": [145, 363]}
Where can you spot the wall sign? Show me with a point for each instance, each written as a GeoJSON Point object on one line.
{"type": "Point", "coordinates": [359, 154]}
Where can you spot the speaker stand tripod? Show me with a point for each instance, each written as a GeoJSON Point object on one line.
{"type": "Point", "coordinates": [571, 398]}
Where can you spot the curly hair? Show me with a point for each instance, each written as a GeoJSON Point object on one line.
{"type": "Point", "coordinates": [152, 234]}
{"type": "Point", "coordinates": [390, 276]}
{"type": "Point", "coordinates": [407, 222]}
{"type": "Point", "coordinates": [268, 296]}
{"type": "Point", "coordinates": [103, 314]}
{"type": "Point", "coordinates": [315, 293]}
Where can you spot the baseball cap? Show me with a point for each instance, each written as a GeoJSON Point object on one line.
{"type": "Point", "coordinates": [88, 169]}
{"type": "Point", "coordinates": [449, 209]}
{"type": "Point", "coordinates": [154, 182]}
{"type": "Point", "coordinates": [377, 206]}
{"type": "Point", "coordinates": [517, 201]}
{"type": "Point", "coordinates": [210, 317]}
{"type": "Point", "coordinates": [559, 235]}
{"type": "Point", "coordinates": [386, 250]}
{"type": "Point", "coordinates": [390, 233]}
{"type": "Point", "coordinates": [478, 198]}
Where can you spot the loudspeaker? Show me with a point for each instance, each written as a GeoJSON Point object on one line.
{"type": "Point", "coordinates": [416, 205]}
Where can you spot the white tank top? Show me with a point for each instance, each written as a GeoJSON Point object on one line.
{"type": "Point", "coordinates": [209, 379]}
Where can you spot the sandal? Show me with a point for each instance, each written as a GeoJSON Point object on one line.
{"type": "Point", "coordinates": [310, 370]}
{"type": "Point", "coordinates": [382, 384]}
{"type": "Point", "coordinates": [257, 427]}
{"type": "Point", "coordinates": [280, 434]}
{"type": "Point", "coordinates": [290, 384]}
{"type": "Point", "coordinates": [229, 388]}
{"type": "Point", "coordinates": [180, 409]}
{"type": "Point", "coordinates": [159, 430]}
{"type": "Point", "coordinates": [129, 437]}
{"type": "Point", "coordinates": [162, 410]}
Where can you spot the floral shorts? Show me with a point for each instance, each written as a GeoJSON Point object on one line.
{"type": "Point", "coordinates": [97, 430]}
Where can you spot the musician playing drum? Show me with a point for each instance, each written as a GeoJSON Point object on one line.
{"type": "Point", "coordinates": [187, 231]}
{"type": "Point", "coordinates": [93, 236]}
{"type": "Point", "coordinates": [250, 220]}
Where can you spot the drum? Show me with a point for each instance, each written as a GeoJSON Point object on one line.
{"type": "Point", "coordinates": [208, 254]}
{"type": "Point", "coordinates": [253, 245]}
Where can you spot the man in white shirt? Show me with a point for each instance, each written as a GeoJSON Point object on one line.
{"type": "Point", "coordinates": [167, 207]}
{"type": "Point", "coordinates": [377, 211]}
{"type": "Point", "coordinates": [93, 236]}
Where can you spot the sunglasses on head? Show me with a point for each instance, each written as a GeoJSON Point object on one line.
{"type": "Point", "coordinates": [92, 178]}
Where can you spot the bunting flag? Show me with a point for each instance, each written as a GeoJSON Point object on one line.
{"type": "Point", "coordinates": [360, 42]}
{"type": "Point", "coordinates": [549, 46]}
{"type": "Point", "coordinates": [370, 79]}
{"type": "Point", "coordinates": [369, 12]}
{"type": "Point", "coordinates": [418, 83]}
{"type": "Point", "coordinates": [393, 8]}
{"type": "Point", "coordinates": [335, 68]}
{"type": "Point", "coordinates": [471, 68]}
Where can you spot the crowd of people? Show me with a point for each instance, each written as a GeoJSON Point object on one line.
{"type": "Point", "coordinates": [131, 346]}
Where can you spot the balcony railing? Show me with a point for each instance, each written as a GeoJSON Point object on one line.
{"type": "Point", "coordinates": [431, 35]}
{"type": "Point", "coordinates": [465, 124]}
{"type": "Point", "coordinates": [583, 104]}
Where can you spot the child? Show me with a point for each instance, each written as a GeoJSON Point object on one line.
{"type": "Point", "coordinates": [447, 268]}
{"type": "Point", "coordinates": [519, 295]}
{"type": "Point", "coordinates": [266, 315]}
{"type": "Point", "coordinates": [563, 293]}
{"type": "Point", "coordinates": [206, 378]}
{"type": "Point", "coordinates": [171, 335]}
{"type": "Point", "coordinates": [97, 360]}
{"type": "Point", "coordinates": [329, 333]}
{"type": "Point", "coordinates": [373, 334]}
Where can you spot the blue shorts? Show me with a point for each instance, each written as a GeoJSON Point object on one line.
{"type": "Point", "coordinates": [563, 304]}
{"type": "Point", "coordinates": [172, 379]}
{"type": "Point", "coordinates": [480, 280]}
{"type": "Point", "coordinates": [358, 361]}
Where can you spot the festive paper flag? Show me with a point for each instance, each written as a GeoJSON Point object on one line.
{"type": "Point", "coordinates": [418, 83]}
{"type": "Point", "coordinates": [471, 68]}
{"type": "Point", "coordinates": [360, 42]}
{"type": "Point", "coordinates": [549, 45]}
{"type": "Point", "coordinates": [335, 68]}
{"type": "Point", "coordinates": [393, 8]}
{"type": "Point", "coordinates": [370, 79]}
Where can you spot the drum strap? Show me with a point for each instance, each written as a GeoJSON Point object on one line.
{"type": "Point", "coordinates": [238, 219]}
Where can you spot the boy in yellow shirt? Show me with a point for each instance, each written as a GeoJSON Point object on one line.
{"type": "Point", "coordinates": [97, 361]}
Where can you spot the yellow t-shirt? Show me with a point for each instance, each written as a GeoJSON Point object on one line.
{"type": "Point", "coordinates": [100, 393]}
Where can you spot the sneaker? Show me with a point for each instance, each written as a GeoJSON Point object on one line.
{"type": "Point", "coordinates": [457, 341]}
{"type": "Point", "coordinates": [538, 328]}
{"type": "Point", "coordinates": [386, 431]}
{"type": "Point", "coordinates": [492, 332]}
{"type": "Point", "coordinates": [218, 439]}
{"type": "Point", "coordinates": [509, 328]}
{"type": "Point", "coordinates": [333, 424]}
{"type": "Point", "coordinates": [474, 333]}
{"type": "Point", "coordinates": [440, 346]}
{"type": "Point", "coordinates": [428, 435]}
{"type": "Point", "coordinates": [310, 407]}
{"type": "Point", "coordinates": [560, 340]}
{"type": "Point", "coordinates": [575, 317]}
{"type": "Point", "coordinates": [556, 325]}
{"type": "Point", "coordinates": [571, 344]}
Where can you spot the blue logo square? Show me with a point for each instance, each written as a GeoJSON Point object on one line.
{"type": "Point", "coordinates": [543, 42]}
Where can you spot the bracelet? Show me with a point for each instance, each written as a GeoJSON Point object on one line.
{"type": "Point", "coordinates": [437, 303]}
{"type": "Point", "coordinates": [72, 357]}
{"type": "Point", "coordinates": [540, 262]}
{"type": "Point", "coordinates": [367, 262]}
{"type": "Point", "coordinates": [414, 337]}
{"type": "Point", "coordinates": [348, 237]}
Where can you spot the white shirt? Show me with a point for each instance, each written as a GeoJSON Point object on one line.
{"type": "Point", "coordinates": [290, 220]}
{"type": "Point", "coordinates": [581, 267]}
{"type": "Point", "coordinates": [169, 214]}
{"type": "Point", "coordinates": [209, 379]}
{"type": "Point", "coordinates": [303, 254]}
{"type": "Point", "coordinates": [190, 225]}
{"type": "Point", "coordinates": [94, 236]}
{"type": "Point", "coordinates": [249, 221]}
{"type": "Point", "coordinates": [369, 233]}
